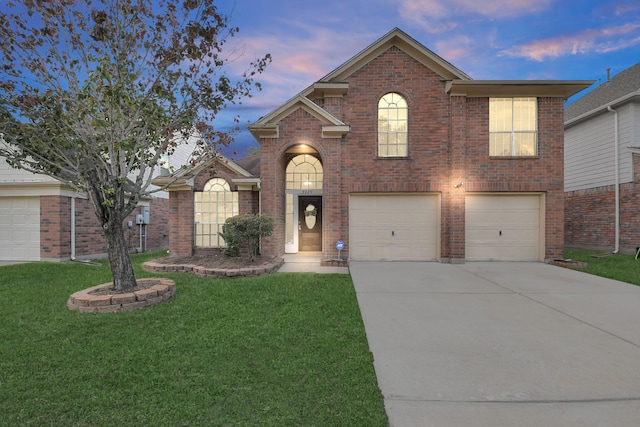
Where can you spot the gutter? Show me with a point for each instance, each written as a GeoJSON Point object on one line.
{"type": "Point", "coordinates": [633, 96]}
{"type": "Point", "coordinates": [617, 179]}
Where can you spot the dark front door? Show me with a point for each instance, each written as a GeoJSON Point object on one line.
{"type": "Point", "coordinates": [310, 223]}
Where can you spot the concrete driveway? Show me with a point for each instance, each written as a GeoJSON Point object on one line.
{"type": "Point", "coordinates": [501, 344]}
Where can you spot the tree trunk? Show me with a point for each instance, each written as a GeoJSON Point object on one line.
{"type": "Point", "coordinates": [121, 267]}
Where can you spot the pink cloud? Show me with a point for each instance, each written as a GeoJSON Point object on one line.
{"type": "Point", "coordinates": [593, 40]}
{"type": "Point", "coordinates": [503, 8]}
{"type": "Point", "coordinates": [455, 48]}
{"type": "Point", "coordinates": [434, 16]}
{"type": "Point", "coordinates": [625, 8]}
{"type": "Point", "coordinates": [298, 61]}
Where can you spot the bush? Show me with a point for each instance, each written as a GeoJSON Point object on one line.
{"type": "Point", "coordinates": [242, 234]}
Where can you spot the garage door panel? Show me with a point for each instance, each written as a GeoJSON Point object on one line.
{"type": "Point", "coordinates": [393, 227]}
{"type": "Point", "coordinates": [504, 227]}
{"type": "Point", "coordinates": [20, 229]}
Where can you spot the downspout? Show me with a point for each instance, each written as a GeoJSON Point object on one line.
{"type": "Point", "coordinates": [259, 209]}
{"type": "Point", "coordinates": [617, 180]}
{"type": "Point", "coordinates": [73, 228]}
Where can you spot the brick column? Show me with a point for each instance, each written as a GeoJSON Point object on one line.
{"type": "Point", "coordinates": [454, 192]}
{"type": "Point", "coordinates": [55, 228]}
{"type": "Point", "coordinates": [181, 228]}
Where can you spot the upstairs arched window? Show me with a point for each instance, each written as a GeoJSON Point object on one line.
{"type": "Point", "coordinates": [392, 126]}
{"type": "Point", "coordinates": [212, 207]}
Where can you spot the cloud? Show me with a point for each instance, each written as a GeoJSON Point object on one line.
{"type": "Point", "coordinates": [625, 8]}
{"type": "Point", "coordinates": [438, 16]}
{"type": "Point", "coordinates": [299, 61]}
{"type": "Point", "coordinates": [601, 40]}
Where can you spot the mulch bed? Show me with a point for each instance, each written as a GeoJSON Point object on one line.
{"type": "Point", "coordinates": [216, 260]}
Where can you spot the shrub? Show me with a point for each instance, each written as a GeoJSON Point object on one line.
{"type": "Point", "coordinates": [242, 234]}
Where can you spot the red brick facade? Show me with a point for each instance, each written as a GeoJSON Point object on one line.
{"type": "Point", "coordinates": [448, 144]}
{"type": "Point", "coordinates": [55, 228]}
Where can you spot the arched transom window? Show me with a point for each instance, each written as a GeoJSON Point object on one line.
{"type": "Point", "coordinates": [392, 126]}
{"type": "Point", "coordinates": [212, 207]}
{"type": "Point", "coordinates": [304, 172]}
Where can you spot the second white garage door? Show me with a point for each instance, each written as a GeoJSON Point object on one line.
{"type": "Point", "coordinates": [504, 227]}
{"type": "Point", "coordinates": [398, 227]}
{"type": "Point", "coordinates": [20, 229]}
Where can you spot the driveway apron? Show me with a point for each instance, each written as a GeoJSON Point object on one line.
{"type": "Point", "coordinates": [501, 344]}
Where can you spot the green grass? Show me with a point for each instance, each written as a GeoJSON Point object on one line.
{"type": "Point", "coordinates": [278, 350]}
{"type": "Point", "coordinates": [623, 267]}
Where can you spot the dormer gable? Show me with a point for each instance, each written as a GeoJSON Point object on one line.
{"type": "Point", "coordinates": [268, 126]}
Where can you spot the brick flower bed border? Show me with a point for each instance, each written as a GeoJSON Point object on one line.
{"type": "Point", "coordinates": [569, 263]}
{"type": "Point", "coordinates": [85, 302]}
{"type": "Point", "coordinates": [256, 270]}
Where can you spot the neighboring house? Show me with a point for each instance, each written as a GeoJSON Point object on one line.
{"type": "Point", "coordinates": [602, 166]}
{"type": "Point", "coordinates": [42, 219]}
{"type": "Point", "coordinates": [401, 156]}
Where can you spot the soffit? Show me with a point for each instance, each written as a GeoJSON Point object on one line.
{"type": "Point", "coordinates": [537, 88]}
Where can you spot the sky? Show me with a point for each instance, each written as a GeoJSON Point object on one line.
{"type": "Point", "coordinates": [486, 39]}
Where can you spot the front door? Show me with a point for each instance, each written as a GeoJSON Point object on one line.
{"type": "Point", "coordinates": [310, 223]}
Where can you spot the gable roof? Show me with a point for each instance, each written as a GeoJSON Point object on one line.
{"type": "Point", "coordinates": [183, 178]}
{"type": "Point", "coordinates": [404, 42]}
{"type": "Point", "coordinates": [622, 87]}
{"type": "Point", "coordinates": [333, 83]}
{"type": "Point", "coordinates": [251, 164]}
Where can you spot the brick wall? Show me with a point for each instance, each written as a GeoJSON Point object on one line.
{"type": "Point", "coordinates": [181, 228]}
{"type": "Point", "coordinates": [590, 218]}
{"type": "Point", "coordinates": [55, 230]}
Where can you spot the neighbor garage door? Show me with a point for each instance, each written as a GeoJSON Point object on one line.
{"type": "Point", "coordinates": [20, 229]}
{"type": "Point", "coordinates": [504, 227]}
{"type": "Point", "coordinates": [398, 227]}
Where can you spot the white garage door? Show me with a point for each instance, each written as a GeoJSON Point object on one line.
{"type": "Point", "coordinates": [503, 228]}
{"type": "Point", "coordinates": [399, 227]}
{"type": "Point", "coordinates": [20, 229]}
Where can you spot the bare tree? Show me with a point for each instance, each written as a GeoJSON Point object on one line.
{"type": "Point", "coordinates": [94, 92]}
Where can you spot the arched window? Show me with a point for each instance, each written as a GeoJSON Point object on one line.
{"type": "Point", "coordinates": [304, 172]}
{"type": "Point", "coordinates": [392, 126]}
{"type": "Point", "coordinates": [212, 208]}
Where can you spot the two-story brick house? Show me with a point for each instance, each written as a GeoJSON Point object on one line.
{"type": "Point", "coordinates": [401, 156]}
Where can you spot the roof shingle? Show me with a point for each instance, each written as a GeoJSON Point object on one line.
{"type": "Point", "coordinates": [623, 83]}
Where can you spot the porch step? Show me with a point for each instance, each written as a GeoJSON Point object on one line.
{"type": "Point", "coordinates": [303, 258]}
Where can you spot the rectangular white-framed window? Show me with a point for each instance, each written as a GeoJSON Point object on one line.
{"type": "Point", "coordinates": [513, 127]}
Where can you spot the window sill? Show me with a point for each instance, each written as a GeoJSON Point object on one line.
{"type": "Point", "coordinates": [514, 157]}
{"type": "Point", "coordinates": [392, 158]}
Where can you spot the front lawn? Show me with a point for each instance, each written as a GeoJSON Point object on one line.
{"type": "Point", "coordinates": [623, 267]}
{"type": "Point", "coordinates": [285, 349]}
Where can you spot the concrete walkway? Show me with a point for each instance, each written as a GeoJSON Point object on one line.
{"type": "Point", "coordinates": [501, 344]}
{"type": "Point", "coordinates": [308, 263]}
